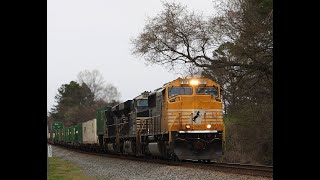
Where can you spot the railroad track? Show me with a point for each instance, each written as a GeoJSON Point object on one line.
{"type": "Point", "coordinates": [235, 168]}
{"type": "Point", "coordinates": [246, 169]}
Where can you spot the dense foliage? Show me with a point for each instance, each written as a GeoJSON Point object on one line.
{"type": "Point", "coordinates": [77, 102]}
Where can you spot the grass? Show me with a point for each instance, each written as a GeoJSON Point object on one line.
{"type": "Point", "coordinates": [64, 170]}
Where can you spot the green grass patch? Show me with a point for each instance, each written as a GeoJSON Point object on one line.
{"type": "Point", "coordinates": [64, 170]}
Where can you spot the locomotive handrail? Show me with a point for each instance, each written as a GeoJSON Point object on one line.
{"type": "Point", "coordinates": [144, 121]}
{"type": "Point", "coordinates": [170, 138]}
{"type": "Point", "coordinates": [141, 125]}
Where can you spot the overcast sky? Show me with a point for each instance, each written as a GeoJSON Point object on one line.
{"type": "Point", "coordinates": [95, 34]}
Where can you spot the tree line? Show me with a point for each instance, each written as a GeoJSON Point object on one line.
{"type": "Point", "coordinates": [77, 101]}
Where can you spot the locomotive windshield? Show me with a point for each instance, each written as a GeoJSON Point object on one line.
{"type": "Point", "coordinates": [213, 91]}
{"type": "Point", "coordinates": [142, 102]}
{"type": "Point", "coordinates": [175, 91]}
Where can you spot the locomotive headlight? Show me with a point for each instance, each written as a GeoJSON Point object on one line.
{"type": "Point", "coordinates": [187, 126]}
{"type": "Point", "coordinates": [209, 126]}
{"type": "Point", "coordinates": [194, 82]}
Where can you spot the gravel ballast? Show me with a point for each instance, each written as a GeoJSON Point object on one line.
{"type": "Point", "coordinates": [101, 167]}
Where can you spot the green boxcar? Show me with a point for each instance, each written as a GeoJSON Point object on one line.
{"type": "Point", "coordinates": [66, 135]}
{"type": "Point", "coordinates": [56, 129]}
{"type": "Point", "coordinates": [100, 116]}
{"type": "Point", "coordinates": [62, 134]}
{"type": "Point", "coordinates": [56, 135]}
{"type": "Point", "coordinates": [77, 133]}
{"type": "Point", "coordinates": [71, 134]}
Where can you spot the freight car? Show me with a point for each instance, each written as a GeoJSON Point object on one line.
{"type": "Point", "coordinates": [52, 130]}
{"type": "Point", "coordinates": [181, 120]}
{"type": "Point", "coordinates": [81, 136]}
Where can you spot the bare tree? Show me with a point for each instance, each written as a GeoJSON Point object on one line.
{"type": "Point", "coordinates": [96, 83]}
{"type": "Point", "coordinates": [111, 93]}
{"type": "Point", "coordinates": [178, 36]}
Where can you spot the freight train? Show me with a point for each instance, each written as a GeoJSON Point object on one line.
{"type": "Point", "coordinates": [182, 120]}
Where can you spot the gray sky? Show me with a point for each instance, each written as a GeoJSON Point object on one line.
{"type": "Point", "coordinates": [95, 34]}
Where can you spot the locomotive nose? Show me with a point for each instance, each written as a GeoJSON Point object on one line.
{"type": "Point", "coordinates": [198, 145]}
{"type": "Point", "coordinates": [197, 149]}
